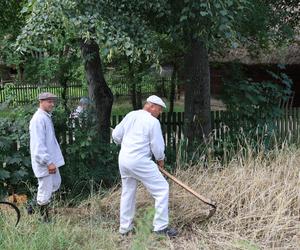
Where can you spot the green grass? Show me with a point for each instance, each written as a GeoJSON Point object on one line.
{"type": "Point", "coordinates": [64, 233]}
{"type": "Point", "coordinates": [123, 106]}
{"type": "Point", "coordinates": [74, 231]}
{"type": "Point", "coordinates": [120, 107]}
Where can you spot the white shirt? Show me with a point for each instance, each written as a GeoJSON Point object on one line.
{"type": "Point", "coordinates": [44, 148]}
{"type": "Point", "coordinates": [140, 136]}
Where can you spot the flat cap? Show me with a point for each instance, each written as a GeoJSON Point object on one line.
{"type": "Point", "coordinates": [156, 100]}
{"type": "Point", "coordinates": [47, 95]}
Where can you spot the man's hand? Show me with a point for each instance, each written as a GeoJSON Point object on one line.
{"type": "Point", "coordinates": [161, 163]}
{"type": "Point", "coordinates": [52, 168]}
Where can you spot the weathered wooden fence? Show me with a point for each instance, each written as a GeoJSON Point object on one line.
{"type": "Point", "coordinates": [171, 124]}
{"type": "Point", "coordinates": [286, 128]}
{"type": "Point", "coordinates": [23, 94]}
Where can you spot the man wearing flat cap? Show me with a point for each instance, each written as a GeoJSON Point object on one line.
{"type": "Point", "coordinates": [140, 137]}
{"type": "Point", "coordinates": [46, 156]}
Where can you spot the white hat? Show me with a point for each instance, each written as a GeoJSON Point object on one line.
{"type": "Point", "coordinates": [156, 100]}
{"type": "Point", "coordinates": [84, 100]}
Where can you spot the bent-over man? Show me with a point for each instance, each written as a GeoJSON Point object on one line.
{"type": "Point", "coordinates": [46, 156]}
{"type": "Point", "coordinates": [140, 137]}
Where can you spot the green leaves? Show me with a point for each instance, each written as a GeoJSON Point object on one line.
{"type": "Point", "coordinates": [257, 102]}
{"type": "Point", "coordinates": [117, 25]}
{"type": "Point", "coordinates": [4, 174]}
{"type": "Point", "coordinates": [14, 148]}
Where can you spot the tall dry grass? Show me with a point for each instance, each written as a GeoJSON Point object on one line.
{"type": "Point", "coordinates": [258, 197]}
{"type": "Point", "coordinates": [258, 200]}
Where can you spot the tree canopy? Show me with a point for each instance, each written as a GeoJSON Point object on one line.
{"type": "Point", "coordinates": [184, 33]}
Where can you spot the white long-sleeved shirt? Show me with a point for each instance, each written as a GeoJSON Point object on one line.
{"type": "Point", "coordinates": [44, 148]}
{"type": "Point", "coordinates": [140, 136]}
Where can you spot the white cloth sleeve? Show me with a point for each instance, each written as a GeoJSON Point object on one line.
{"type": "Point", "coordinates": [40, 153]}
{"type": "Point", "coordinates": [118, 132]}
{"type": "Point", "coordinates": [157, 143]}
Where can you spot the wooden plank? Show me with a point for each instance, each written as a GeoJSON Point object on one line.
{"type": "Point", "coordinates": [163, 124]}
{"type": "Point", "coordinates": [169, 131]}
{"type": "Point", "coordinates": [114, 121]}
{"type": "Point", "coordinates": [180, 124]}
{"type": "Point", "coordinates": [174, 131]}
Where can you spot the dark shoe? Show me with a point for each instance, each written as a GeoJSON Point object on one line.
{"type": "Point", "coordinates": [170, 232]}
{"type": "Point", "coordinates": [30, 210]}
{"type": "Point", "coordinates": [31, 207]}
{"type": "Point", "coordinates": [44, 214]}
{"type": "Point", "coordinates": [130, 232]}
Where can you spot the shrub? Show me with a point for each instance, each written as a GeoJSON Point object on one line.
{"type": "Point", "coordinates": [15, 165]}
{"type": "Point", "coordinates": [89, 163]}
{"type": "Point", "coordinates": [253, 108]}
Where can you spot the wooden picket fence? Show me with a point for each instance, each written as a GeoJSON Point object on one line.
{"type": "Point", "coordinates": [286, 128]}
{"type": "Point", "coordinates": [23, 94]}
{"type": "Point", "coordinates": [171, 124]}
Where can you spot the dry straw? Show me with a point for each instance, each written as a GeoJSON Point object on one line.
{"type": "Point", "coordinates": [258, 203]}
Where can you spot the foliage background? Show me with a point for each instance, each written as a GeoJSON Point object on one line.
{"type": "Point", "coordinates": [89, 164]}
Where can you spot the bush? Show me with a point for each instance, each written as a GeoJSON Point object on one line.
{"type": "Point", "coordinates": [253, 108]}
{"type": "Point", "coordinates": [15, 164]}
{"type": "Point", "coordinates": [89, 163]}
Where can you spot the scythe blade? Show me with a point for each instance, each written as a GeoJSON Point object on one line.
{"type": "Point", "coordinates": [15, 208]}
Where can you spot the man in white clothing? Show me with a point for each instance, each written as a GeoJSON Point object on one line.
{"type": "Point", "coordinates": [140, 137]}
{"type": "Point", "coordinates": [46, 156]}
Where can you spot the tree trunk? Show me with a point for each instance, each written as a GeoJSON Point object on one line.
{"type": "Point", "coordinates": [132, 86]}
{"type": "Point", "coordinates": [98, 89]}
{"type": "Point", "coordinates": [197, 117]}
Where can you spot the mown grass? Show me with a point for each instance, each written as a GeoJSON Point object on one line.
{"type": "Point", "coordinates": [123, 106]}
{"type": "Point", "coordinates": [258, 200]}
{"type": "Point", "coordinates": [120, 106]}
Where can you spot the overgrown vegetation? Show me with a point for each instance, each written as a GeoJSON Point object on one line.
{"type": "Point", "coordinates": [15, 160]}
{"type": "Point", "coordinates": [257, 195]}
{"type": "Point", "coordinates": [253, 109]}
{"type": "Point", "coordinates": [255, 103]}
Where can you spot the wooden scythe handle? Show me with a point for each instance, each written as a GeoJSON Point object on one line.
{"type": "Point", "coordinates": [200, 197]}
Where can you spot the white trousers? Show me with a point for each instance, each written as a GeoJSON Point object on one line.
{"type": "Point", "coordinates": [155, 183]}
{"type": "Point", "coordinates": [48, 185]}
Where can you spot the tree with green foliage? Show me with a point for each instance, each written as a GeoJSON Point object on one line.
{"type": "Point", "coordinates": [89, 25]}
{"type": "Point", "coordinates": [11, 22]}
{"type": "Point", "coordinates": [204, 28]}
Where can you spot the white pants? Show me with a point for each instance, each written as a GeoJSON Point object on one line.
{"type": "Point", "coordinates": [155, 183]}
{"type": "Point", "coordinates": [48, 185]}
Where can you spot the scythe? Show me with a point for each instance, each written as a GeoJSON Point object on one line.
{"type": "Point", "coordinates": [207, 201]}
